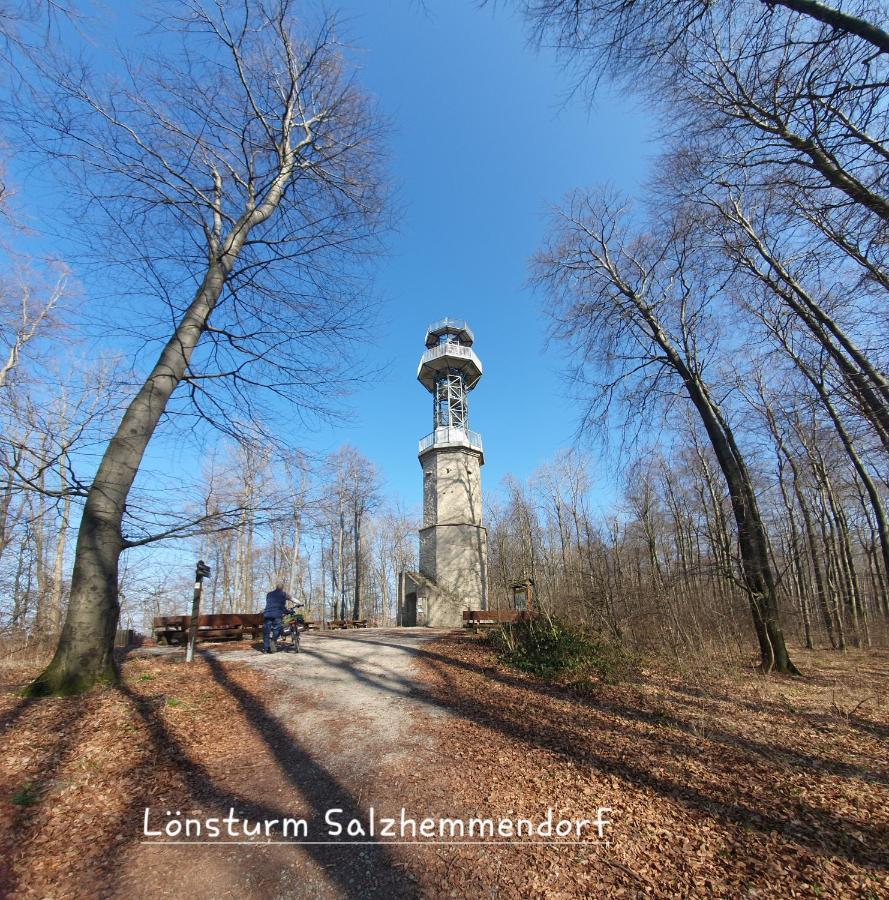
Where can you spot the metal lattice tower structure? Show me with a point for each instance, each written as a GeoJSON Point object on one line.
{"type": "Point", "coordinates": [452, 575]}
{"type": "Point", "coordinates": [449, 370]}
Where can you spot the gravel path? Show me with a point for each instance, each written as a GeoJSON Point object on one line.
{"type": "Point", "coordinates": [354, 694]}
{"type": "Point", "coordinates": [346, 731]}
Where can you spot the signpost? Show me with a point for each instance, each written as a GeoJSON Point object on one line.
{"type": "Point", "coordinates": [202, 571]}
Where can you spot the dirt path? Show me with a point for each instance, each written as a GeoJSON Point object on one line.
{"type": "Point", "coordinates": [363, 711]}
{"type": "Point", "coordinates": [344, 730]}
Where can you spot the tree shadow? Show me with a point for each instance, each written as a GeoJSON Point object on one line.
{"type": "Point", "coordinates": [782, 755]}
{"type": "Point", "coordinates": [874, 729]}
{"type": "Point", "coordinates": [372, 874]}
{"type": "Point", "coordinates": [804, 824]}
{"type": "Point", "coordinates": [12, 715]}
{"type": "Point", "coordinates": [354, 872]}
{"type": "Point", "coordinates": [761, 811]}
{"type": "Point", "coordinates": [29, 806]}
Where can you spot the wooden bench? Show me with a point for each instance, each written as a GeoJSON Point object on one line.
{"type": "Point", "coordinates": [347, 623]}
{"type": "Point", "coordinates": [212, 627]}
{"type": "Point", "coordinates": [491, 618]}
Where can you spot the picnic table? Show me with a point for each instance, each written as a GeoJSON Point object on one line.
{"type": "Point", "coordinates": [211, 627]}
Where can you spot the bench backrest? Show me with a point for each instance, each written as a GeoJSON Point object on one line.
{"type": "Point", "coordinates": [491, 615]}
{"type": "Point", "coordinates": [212, 620]}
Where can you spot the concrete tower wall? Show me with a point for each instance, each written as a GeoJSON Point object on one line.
{"type": "Point", "coordinates": [452, 487]}
{"type": "Point", "coordinates": [453, 541]}
{"type": "Point", "coordinates": [456, 558]}
{"type": "Point", "coordinates": [453, 566]}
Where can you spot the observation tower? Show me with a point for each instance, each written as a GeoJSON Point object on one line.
{"type": "Point", "coordinates": [453, 541]}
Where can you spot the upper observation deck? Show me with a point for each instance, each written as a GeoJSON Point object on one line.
{"type": "Point", "coordinates": [449, 355]}
{"type": "Point", "coordinates": [456, 330]}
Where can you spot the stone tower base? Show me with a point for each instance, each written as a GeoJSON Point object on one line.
{"type": "Point", "coordinates": [421, 602]}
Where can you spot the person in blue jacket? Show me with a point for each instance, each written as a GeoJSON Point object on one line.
{"type": "Point", "coordinates": [275, 605]}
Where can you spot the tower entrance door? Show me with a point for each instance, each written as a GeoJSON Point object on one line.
{"type": "Point", "coordinates": [409, 614]}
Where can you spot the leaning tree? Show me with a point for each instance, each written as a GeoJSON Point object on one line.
{"type": "Point", "coordinates": [234, 169]}
{"type": "Point", "coordinates": [641, 309]}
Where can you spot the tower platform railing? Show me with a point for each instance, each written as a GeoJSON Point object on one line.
{"type": "Point", "coordinates": [445, 356]}
{"type": "Point", "coordinates": [456, 350]}
{"type": "Point", "coordinates": [451, 324]}
{"type": "Point", "coordinates": [452, 437]}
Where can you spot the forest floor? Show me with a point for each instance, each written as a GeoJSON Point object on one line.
{"type": "Point", "coordinates": [723, 785]}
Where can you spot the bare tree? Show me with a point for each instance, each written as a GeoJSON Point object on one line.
{"type": "Point", "coordinates": [355, 485]}
{"type": "Point", "coordinates": [797, 287]}
{"type": "Point", "coordinates": [783, 105]}
{"type": "Point", "coordinates": [247, 163]}
{"type": "Point", "coordinates": [642, 34]}
{"type": "Point", "coordinates": [637, 308]}
{"type": "Point", "coordinates": [22, 316]}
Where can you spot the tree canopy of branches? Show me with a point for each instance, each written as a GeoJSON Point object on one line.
{"type": "Point", "coordinates": [781, 107]}
{"type": "Point", "coordinates": [241, 173]}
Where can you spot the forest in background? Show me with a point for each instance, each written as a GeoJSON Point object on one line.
{"type": "Point", "coordinates": [730, 326]}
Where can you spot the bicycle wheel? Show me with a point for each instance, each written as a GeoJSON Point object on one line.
{"type": "Point", "coordinates": [295, 632]}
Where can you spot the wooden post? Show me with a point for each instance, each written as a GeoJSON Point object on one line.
{"type": "Point", "coordinates": [202, 571]}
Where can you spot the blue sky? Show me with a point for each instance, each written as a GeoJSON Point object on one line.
{"type": "Point", "coordinates": [486, 138]}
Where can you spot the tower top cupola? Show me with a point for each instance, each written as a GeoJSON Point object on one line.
{"type": "Point", "coordinates": [449, 331]}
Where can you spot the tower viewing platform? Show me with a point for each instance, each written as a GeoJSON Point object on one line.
{"type": "Point", "coordinates": [449, 370]}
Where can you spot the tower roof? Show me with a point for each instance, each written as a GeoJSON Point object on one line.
{"type": "Point", "coordinates": [458, 327]}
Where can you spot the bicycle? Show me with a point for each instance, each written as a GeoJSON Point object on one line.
{"type": "Point", "coordinates": [291, 624]}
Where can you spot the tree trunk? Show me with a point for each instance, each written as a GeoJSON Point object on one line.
{"type": "Point", "coordinates": [759, 578]}
{"type": "Point", "coordinates": [814, 554]}
{"type": "Point", "coordinates": [838, 19]}
{"type": "Point", "coordinates": [341, 563]}
{"type": "Point", "coordinates": [54, 618]}
{"type": "Point", "coordinates": [20, 598]}
{"type": "Point", "coordinates": [295, 561]}
{"type": "Point", "coordinates": [42, 573]}
{"type": "Point", "coordinates": [796, 559]}
{"type": "Point", "coordinates": [84, 656]}
{"type": "Point", "coordinates": [852, 452]}
{"type": "Point", "coordinates": [356, 599]}
{"type": "Point", "coordinates": [815, 560]}
{"type": "Point", "coordinates": [85, 653]}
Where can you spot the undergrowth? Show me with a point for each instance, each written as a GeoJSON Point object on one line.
{"type": "Point", "coordinates": [554, 650]}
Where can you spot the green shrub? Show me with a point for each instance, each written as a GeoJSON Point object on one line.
{"type": "Point", "coordinates": [551, 649]}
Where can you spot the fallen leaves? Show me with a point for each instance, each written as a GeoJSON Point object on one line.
{"type": "Point", "coordinates": [731, 786]}
{"type": "Point", "coordinates": [726, 785]}
{"type": "Point", "coordinates": [76, 773]}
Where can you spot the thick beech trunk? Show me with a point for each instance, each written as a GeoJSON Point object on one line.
{"type": "Point", "coordinates": [838, 19]}
{"type": "Point", "coordinates": [84, 655]}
